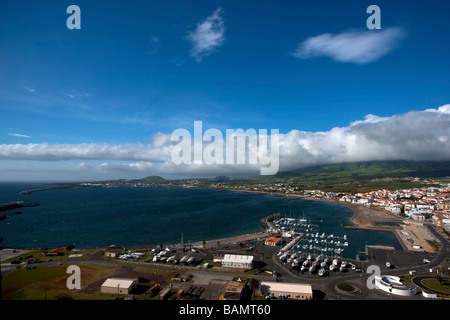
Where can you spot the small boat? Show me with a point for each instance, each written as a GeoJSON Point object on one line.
{"type": "Point", "coordinates": [332, 267]}
{"type": "Point", "coordinates": [322, 272]}
{"type": "Point", "coordinates": [184, 259]}
{"type": "Point", "coordinates": [190, 260]}
{"type": "Point", "coordinates": [284, 257]}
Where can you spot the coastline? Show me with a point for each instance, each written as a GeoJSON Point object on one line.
{"type": "Point", "coordinates": [363, 218]}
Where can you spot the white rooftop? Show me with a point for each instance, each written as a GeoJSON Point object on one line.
{"type": "Point", "coordinates": [237, 258]}
{"type": "Point", "coordinates": [124, 283]}
{"type": "Point", "coordinates": [286, 287]}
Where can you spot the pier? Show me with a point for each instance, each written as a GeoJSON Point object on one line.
{"type": "Point", "coordinates": [49, 188]}
{"type": "Point", "coordinates": [266, 222]}
{"type": "Point", "coordinates": [15, 205]}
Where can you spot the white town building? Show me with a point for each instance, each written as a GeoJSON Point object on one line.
{"type": "Point", "coordinates": [237, 261]}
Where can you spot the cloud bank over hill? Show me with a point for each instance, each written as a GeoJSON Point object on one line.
{"type": "Point", "coordinates": [415, 135]}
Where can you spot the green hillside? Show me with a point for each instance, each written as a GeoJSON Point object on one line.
{"type": "Point", "coordinates": [154, 179]}
{"type": "Point", "coordinates": [345, 172]}
{"type": "Point", "coordinates": [342, 177]}
{"type": "Point", "coordinates": [350, 177]}
{"type": "Point", "coordinates": [364, 176]}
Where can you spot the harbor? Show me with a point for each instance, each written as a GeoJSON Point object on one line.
{"type": "Point", "coordinates": [307, 249]}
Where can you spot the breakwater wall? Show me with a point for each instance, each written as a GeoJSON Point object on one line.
{"type": "Point", "coordinates": [265, 222]}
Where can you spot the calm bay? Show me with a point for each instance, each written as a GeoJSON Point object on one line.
{"type": "Point", "coordinates": [144, 217]}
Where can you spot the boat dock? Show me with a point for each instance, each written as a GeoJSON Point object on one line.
{"type": "Point", "coordinates": [292, 243]}
{"type": "Point", "coordinates": [309, 249]}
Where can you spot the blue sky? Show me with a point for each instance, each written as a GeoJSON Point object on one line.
{"type": "Point", "coordinates": [137, 70]}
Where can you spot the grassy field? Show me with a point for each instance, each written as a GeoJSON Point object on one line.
{"type": "Point", "coordinates": [49, 282]}
{"type": "Point", "coordinates": [39, 283]}
{"type": "Point", "coordinates": [435, 284]}
{"type": "Point", "coordinates": [442, 284]}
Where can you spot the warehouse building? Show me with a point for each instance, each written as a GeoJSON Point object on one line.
{"type": "Point", "coordinates": [237, 261]}
{"type": "Point", "coordinates": [118, 285]}
{"type": "Point", "coordinates": [284, 290]}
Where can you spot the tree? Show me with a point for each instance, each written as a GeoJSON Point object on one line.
{"type": "Point", "coordinates": [253, 283]}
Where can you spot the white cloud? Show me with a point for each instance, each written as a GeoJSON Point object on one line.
{"type": "Point", "coordinates": [29, 89]}
{"type": "Point", "coordinates": [443, 109]}
{"type": "Point", "coordinates": [358, 47]}
{"type": "Point", "coordinates": [207, 36]}
{"type": "Point", "coordinates": [82, 151]}
{"type": "Point", "coordinates": [18, 135]}
{"type": "Point", "coordinates": [415, 135]}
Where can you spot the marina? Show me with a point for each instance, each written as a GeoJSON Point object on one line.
{"type": "Point", "coordinates": [308, 249]}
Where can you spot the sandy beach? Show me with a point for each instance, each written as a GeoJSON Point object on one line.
{"type": "Point", "coordinates": [363, 217]}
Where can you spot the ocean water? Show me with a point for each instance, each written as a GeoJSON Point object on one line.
{"type": "Point", "coordinates": [143, 217]}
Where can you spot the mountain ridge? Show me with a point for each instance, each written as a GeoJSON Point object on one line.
{"type": "Point", "coordinates": [343, 172]}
